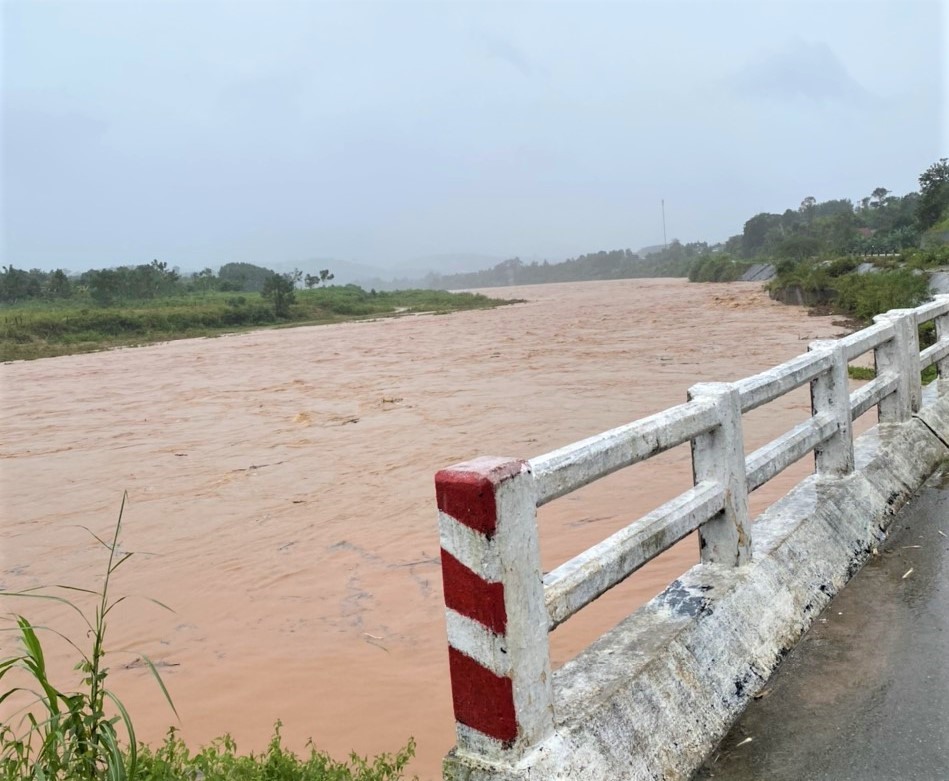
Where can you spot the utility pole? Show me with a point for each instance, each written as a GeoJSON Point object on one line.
{"type": "Point", "coordinates": [665, 244]}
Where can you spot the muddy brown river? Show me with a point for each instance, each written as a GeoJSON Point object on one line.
{"type": "Point", "coordinates": [280, 494]}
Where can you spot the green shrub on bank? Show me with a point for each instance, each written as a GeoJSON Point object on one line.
{"type": "Point", "coordinates": [930, 257]}
{"type": "Point", "coordinates": [172, 761]}
{"type": "Point", "coordinates": [835, 284]}
{"type": "Point", "coordinates": [720, 267]}
{"type": "Point", "coordinates": [865, 295]}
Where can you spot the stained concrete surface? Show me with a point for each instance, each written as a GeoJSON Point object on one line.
{"type": "Point", "coordinates": [865, 695]}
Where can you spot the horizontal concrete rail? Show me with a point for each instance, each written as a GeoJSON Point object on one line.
{"type": "Point", "coordinates": [932, 310]}
{"type": "Point", "coordinates": [772, 459]}
{"type": "Point", "coordinates": [871, 394]}
{"type": "Point", "coordinates": [574, 466]}
{"type": "Point", "coordinates": [935, 353]}
{"type": "Point", "coordinates": [774, 383]}
{"type": "Point", "coordinates": [856, 344]}
{"type": "Point", "coordinates": [500, 608]}
{"type": "Point", "coordinates": [575, 584]}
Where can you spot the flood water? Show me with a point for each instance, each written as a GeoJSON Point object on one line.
{"type": "Point", "coordinates": [280, 494]}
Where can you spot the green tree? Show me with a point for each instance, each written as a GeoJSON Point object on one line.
{"type": "Point", "coordinates": [879, 196]}
{"type": "Point", "coordinates": [19, 285]}
{"type": "Point", "coordinates": [312, 280]}
{"type": "Point", "coordinates": [933, 194]}
{"type": "Point", "coordinates": [280, 290]}
{"type": "Point", "coordinates": [204, 280]}
{"type": "Point", "coordinates": [236, 277]}
{"type": "Point", "coordinates": [756, 232]}
{"type": "Point", "coordinates": [58, 285]}
{"type": "Point", "coordinates": [103, 285]}
{"type": "Point", "coordinates": [797, 248]}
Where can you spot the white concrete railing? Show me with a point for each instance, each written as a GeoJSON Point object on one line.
{"type": "Point", "coordinates": [499, 607]}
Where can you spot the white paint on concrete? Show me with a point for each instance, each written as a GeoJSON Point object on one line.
{"type": "Point", "coordinates": [830, 395]}
{"type": "Point", "coordinates": [467, 545]}
{"type": "Point", "coordinates": [776, 456]}
{"type": "Point", "coordinates": [478, 642]}
{"type": "Point", "coordinates": [872, 393]}
{"type": "Point", "coordinates": [574, 466]}
{"type": "Point", "coordinates": [718, 455]}
{"type": "Point", "coordinates": [773, 383]}
{"type": "Point", "coordinates": [860, 342]}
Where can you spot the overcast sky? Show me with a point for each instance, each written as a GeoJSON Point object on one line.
{"type": "Point", "coordinates": [201, 132]}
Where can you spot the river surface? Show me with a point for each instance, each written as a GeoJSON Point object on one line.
{"type": "Point", "coordinates": [280, 494]}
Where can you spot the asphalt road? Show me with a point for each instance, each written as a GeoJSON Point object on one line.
{"type": "Point", "coordinates": [865, 695]}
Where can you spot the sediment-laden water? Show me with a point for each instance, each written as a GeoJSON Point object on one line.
{"type": "Point", "coordinates": [281, 497]}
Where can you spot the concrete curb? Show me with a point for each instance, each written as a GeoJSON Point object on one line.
{"type": "Point", "coordinates": [651, 698]}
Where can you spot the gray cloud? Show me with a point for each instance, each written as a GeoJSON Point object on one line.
{"type": "Point", "coordinates": [800, 70]}
{"type": "Point", "coordinates": [505, 51]}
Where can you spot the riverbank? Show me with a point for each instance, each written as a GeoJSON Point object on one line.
{"type": "Point", "coordinates": [40, 329]}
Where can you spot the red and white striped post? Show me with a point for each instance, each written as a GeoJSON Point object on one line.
{"type": "Point", "coordinates": [494, 607]}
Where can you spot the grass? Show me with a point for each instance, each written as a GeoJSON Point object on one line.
{"type": "Point", "coordinates": [861, 373]}
{"type": "Point", "coordinates": [69, 733]}
{"type": "Point", "coordinates": [45, 329]}
{"type": "Point", "coordinates": [220, 761]}
{"type": "Point", "coordinates": [62, 733]}
{"type": "Point", "coordinates": [865, 373]}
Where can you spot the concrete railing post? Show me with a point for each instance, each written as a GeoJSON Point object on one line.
{"type": "Point", "coordinates": [719, 455]}
{"type": "Point", "coordinates": [900, 355]}
{"type": "Point", "coordinates": [830, 393]}
{"type": "Point", "coordinates": [498, 648]}
{"type": "Point", "coordinates": [942, 333]}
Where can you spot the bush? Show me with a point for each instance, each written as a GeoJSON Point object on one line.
{"type": "Point", "coordinates": [866, 295]}
{"type": "Point", "coordinates": [717, 268]}
{"type": "Point", "coordinates": [172, 761]}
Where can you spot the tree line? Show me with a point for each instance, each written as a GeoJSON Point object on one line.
{"type": "Point", "coordinates": [149, 281]}
{"type": "Point", "coordinates": [879, 223]}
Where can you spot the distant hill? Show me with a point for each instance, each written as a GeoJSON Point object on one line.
{"type": "Point", "coordinates": [673, 261]}
{"type": "Point", "coordinates": [408, 273]}
{"type": "Point", "coordinates": [450, 263]}
{"type": "Point", "coordinates": [651, 250]}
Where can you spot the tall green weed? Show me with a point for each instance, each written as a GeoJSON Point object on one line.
{"type": "Point", "coordinates": [85, 733]}
{"type": "Point", "coordinates": [61, 733]}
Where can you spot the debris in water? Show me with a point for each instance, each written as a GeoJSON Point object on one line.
{"type": "Point", "coordinates": [907, 573]}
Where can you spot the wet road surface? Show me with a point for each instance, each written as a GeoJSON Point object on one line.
{"type": "Point", "coordinates": [865, 695]}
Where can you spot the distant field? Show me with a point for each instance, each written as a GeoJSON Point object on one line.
{"type": "Point", "coordinates": [45, 329]}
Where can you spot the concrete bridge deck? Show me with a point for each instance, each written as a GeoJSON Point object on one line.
{"type": "Point", "coordinates": [865, 695]}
